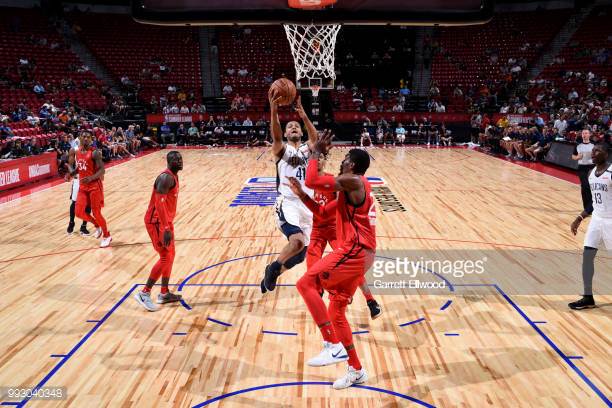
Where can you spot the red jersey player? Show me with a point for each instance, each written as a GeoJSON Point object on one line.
{"type": "Point", "coordinates": [343, 270]}
{"type": "Point", "coordinates": [87, 161]}
{"type": "Point", "coordinates": [323, 208]}
{"type": "Point", "coordinates": [159, 222]}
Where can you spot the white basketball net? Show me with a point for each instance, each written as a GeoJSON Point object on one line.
{"type": "Point", "coordinates": [312, 47]}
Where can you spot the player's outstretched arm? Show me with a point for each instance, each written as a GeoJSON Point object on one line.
{"type": "Point", "coordinates": [275, 127]}
{"type": "Point", "coordinates": [312, 205]}
{"type": "Point", "coordinates": [313, 135]}
{"type": "Point", "coordinates": [163, 184]}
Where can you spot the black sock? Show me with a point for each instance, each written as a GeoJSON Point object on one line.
{"type": "Point", "coordinates": [276, 267]}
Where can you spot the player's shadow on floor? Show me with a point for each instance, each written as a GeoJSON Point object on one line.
{"type": "Point", "coordinates": [488, 365]}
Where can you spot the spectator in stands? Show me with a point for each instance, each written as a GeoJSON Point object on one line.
{"type": "Point", "coordinates": [365, 139]}
{"type": "Point", "coordinates": [230, 71]}
{"type": "Point", "coordinates": [371, 107]}
{"type": "Point", "coordinates": [400, 134]}
{"type": "Point", "coordinates": [267, 79]}
{"type": "Point", "coordinates": [184, 109]}
{"type": "Point", "coordinates": [227, 89]}
{"type": "Point", "coordinates": [247, 122]}
{"type": "Point", "coordinates": [235, 122]}
{"type": "Point", "coordinates": [572, 95]}
{"type": "Point", "coordinates": [248, 101]}
{"type": "Point", "coordinates": [243, 72]}
{"type": "Point", "coordinates": [398, 107]}
{"type": "Point", "coordinates": [560, 124]}
{"type": "Point", "coordinates": [39, 89]}
{"type": "Point", "coordinates": [446, 136]}
{"type": "Point", "coordinates": [165, 134]}
{"type": "Point", "coordinates": [5, 130]}
{"type": "Point", "coordinates": [181, 135]}
{"type": "Point", "coordinates": [261, 122]}
{"type": "Point", "coordinates": [217, 136]}
{"type": "Point", "coordinates": [193, 134]}
{"type": "Point", "coordinates": [440, 108]}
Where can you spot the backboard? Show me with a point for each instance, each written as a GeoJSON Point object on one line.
{"type": "Point", "coordinates": [361, 12]}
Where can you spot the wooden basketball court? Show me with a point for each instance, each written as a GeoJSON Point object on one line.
{"type": "Point", "coordinates": [68, 317]}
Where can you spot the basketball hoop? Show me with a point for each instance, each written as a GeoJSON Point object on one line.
{"type": "Point", "coordinates": [313, 50]}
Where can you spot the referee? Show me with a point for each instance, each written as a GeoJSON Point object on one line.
{"type": "Point", "coordinates": [582, 153]}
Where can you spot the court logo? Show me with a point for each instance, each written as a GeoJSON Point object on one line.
{"type": "Point", "coordinates": [386, 199]}
{"type": "Point", "coordinates": [38, 170]}
{"type": "Point", "coordinates": [261, 191]}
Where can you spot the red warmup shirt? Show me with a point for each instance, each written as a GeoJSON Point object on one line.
{"type": "Point", "coordinates": [86, 168]}
{"type": "Point", "coordinates": [151, 216]}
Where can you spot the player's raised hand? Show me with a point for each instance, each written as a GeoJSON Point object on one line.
{"type": "Point", "coordinates": [299, 108]}
{"type": "Point", "coordinates": [274, 99]}
{"type": "Point", "coordinates": [323, 144]}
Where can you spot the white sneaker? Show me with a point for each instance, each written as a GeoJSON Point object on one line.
{"type": "Point", "coordinates": [145, 300]}
{"type": "Point", "coordinates": [106, 242]}
{"type": "Point", "coordinates": [331, 354]}
{"type": "Point", "coordinates": [98, 233]}
{"type": "Point", "coordinates": [351, 377]}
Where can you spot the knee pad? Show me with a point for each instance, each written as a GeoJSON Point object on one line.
{"type": "Point", "coordinates": [296, 259]}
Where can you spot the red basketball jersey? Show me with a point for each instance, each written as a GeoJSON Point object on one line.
{"type": "Point", "coordinates": [86, 168]}
{"type": "Point", "coordinates": [171, 200]}
{"type": "Point", "coordinates": [323, 198]}
{"type": "Point", "coordinates": [355, 225]}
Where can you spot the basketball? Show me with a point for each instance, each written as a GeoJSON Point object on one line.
{"type": "Point", "coordinates": [283, 87]}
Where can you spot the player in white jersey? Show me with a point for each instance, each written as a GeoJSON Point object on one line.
{"type": "Point", "coordinates": [600, 228]}
{"type": "Point", "coordinates": [292, 216]}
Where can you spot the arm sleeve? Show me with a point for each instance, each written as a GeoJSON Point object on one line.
{"type": "Point", "coordinates": [317, 182]}
{"type": "Point", "coordinates": [162, 210]}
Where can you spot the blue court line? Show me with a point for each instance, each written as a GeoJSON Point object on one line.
{"type": "Point", "coordinates": [188, 278]}
{"type": "Point", "coordinates": [540, 322]}
{"type": "Point", "coordinates": [280, 333]}
{"type": "Point", "coordinates": [179, 334]}
{"type": "Point", "coordinates": [575, 357]}
{"type": "Point", "coordinates": [412, 322]}
{"type": "Point", "coordinates": [302, 383]}
{"type": "Point", "coordinates": [361, 332]}
{"type": "Point", "coordinates": [92, 321]}
{"type": "Point", "coordinates": [555, 348]}
{"type": "Point", "coordinates": [447, 304]}
{"type": "Point", "coordinates": [475, 284]}
{"type": "Point", "coordinates": [9, 403]}
{"type": "Point", "coordinates": [210, 319]}
{"type": "Point", "coordinates": [116, 306]}
{"type": "Point", "coordinates": [58, 355]}
{"type": "Point", "coordinates": [451, 334]}
{"type": "Point", "coordinates": [78, 345]}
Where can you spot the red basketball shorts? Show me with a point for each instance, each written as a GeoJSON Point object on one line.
{"type": "Point", "coordinates": [319, 239]}
{"type": "Point", "coordinates": [343, 270]}
{"type": "Point", "coordinates": [93, 198]}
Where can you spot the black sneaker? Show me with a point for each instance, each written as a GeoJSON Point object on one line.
{"type": "Point", "coordinates": [262, 287]}
{"type": "Point", "coordinates": [168, 297]}
{"type": "Point", "coordinates": [70, 228]}
{"type": "Point", "coordinates": [85, 232]}
{"type": "Point", "coordinates": [587, 302]}
{"type": "Point", "coordinates": [375, 309]}
{"type": "Point", "coordinates": [270, 277]}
